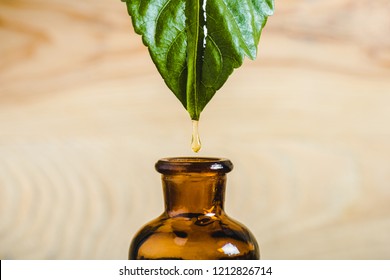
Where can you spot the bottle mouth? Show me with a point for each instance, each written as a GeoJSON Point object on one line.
{"type": "Point", "coordinates": [175, 165]}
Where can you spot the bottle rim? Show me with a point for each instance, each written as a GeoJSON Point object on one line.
{"type": "Point", "coordinates": [173, 165]}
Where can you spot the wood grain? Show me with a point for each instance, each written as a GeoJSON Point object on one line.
{"type": "Point", "coordinates": [84, 116]}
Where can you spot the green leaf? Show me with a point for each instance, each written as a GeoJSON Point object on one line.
{"type": "Point", "coordinates": [196, 44]}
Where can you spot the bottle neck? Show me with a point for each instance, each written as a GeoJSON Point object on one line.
{"type": "Point", "coordinates": [194, 193]}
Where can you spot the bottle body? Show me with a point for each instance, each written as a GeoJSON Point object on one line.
{"type": "Point", "coordinates": [194, 225]}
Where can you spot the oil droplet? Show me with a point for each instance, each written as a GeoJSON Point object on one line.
{"type": "Point", "coordinates": [195, 142]}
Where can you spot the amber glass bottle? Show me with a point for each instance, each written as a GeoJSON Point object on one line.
{"type": "Point", "coordinates": [194, 225]}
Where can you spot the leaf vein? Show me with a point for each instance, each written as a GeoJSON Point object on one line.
{"type": "Point", "coordinates": [161, 11]}
{"type": "Point", "coordinates": [242, 39]}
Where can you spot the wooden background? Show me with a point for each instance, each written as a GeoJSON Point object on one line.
{"type": "Point", "coordinates": [84, 116]}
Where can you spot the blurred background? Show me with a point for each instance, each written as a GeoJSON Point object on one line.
{"type": "Point", "coordinates": [84, 115]}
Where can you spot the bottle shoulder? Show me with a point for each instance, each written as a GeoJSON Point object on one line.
{"type": "Point", "coordinates": [194, 236]}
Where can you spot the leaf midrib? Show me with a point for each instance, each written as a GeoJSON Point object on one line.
{"type": "Point", "coordinates": [192, 85]}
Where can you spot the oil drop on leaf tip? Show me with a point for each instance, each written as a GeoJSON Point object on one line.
{"type": "Point", "coordinates": [196, 145]}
